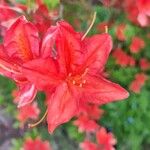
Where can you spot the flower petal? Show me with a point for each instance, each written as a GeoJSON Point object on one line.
{"type": "Point", "coordinates": [68, 46]}
{"type": "Point", "coordinates": [64, 44]}
{"type": "Point", "coordinates": [98, 49]}
{"type": "Point", "coordinates": [26, 94]}
{"type": "Point", "coordinates": [48, 42]}
{"type": "Point", "coordinates": [42, 72]}
{"type": "Point", "coordinates": [21, 40]}
{"type": "Point", "coordinates": [61, 107]}
{"type": "Point", "coordinates": [102, 91]}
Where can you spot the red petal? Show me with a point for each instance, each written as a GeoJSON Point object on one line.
{"type": "Point", "coordinates": [26, 94]}
{"type": "Point", "coordinates": [102, 91]}
{"type": "Point", "coordinates": [98, 49]}
{"type": "Point", "coordinates": [63, 43]}
{"type": "Point", "coordinates": [42, 72]}
{"type": "Point", "coordinates": [21, 40]}
{"type": "Point", "coordinates": [48, 42]}
{"type": "Point", "coordinates": [68, 46]}
{"type": "Point", "coordinates": [88, 145]}
{"type": "Point", "coordinates": [61, 108]}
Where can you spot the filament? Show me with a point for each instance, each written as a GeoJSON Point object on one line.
{"type": "Point", "coordinates": [91, 25]}
{"type": "Point", "coordinates": [37, 123]}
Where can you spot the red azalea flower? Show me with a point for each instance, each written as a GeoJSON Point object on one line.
{"type": "Point", "coordinates": [102, 26]}
{"type": "Point", "coordinates": [105, 139]}
{"type": "Point", "coordinates": [21, 44]}
{"type": "Point", "coordinates": [139, 81]}
{"type": "Point", "coordinates": [131, 10]}
{"type": "Point", "coordinates": [144, 64]}
{"type": "Point", "coordinates": [141, 78]}
{"type": "Point", "coordinates": [91, 110]}
{"type": "Point", "coordinates": [120, 32]}
{"type": "Point", "coordinates": [144, 12]}
{"type": "Point", "coordinates": [84, 123]}
{"type": "Point", "coordinates": [8, 16]}
{"type": "Point", "coordinates": [41, 18]}
{"type": "Point", "coordinates": [135, 86]}
{"type": "Point", "coordinates": [72, 71]}
{"type": "Point", "coordinates": [30, 111]}
{"type": "Point", "coordinates": [36, 144]}
{"type": "Point", "coordinates": [122, 58]}
{"type": "Point", "coordinates": [87, 145]}
{"type": "Point", "coordinates": [136, 45]}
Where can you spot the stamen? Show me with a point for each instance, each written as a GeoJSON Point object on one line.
{"type": "Point", "coordinates": [37, 123]}
{"type": "Point", "coordinates": [9, 69]}
{"type": "Point", "coordinates": [70, 74]}
{"type": "Point", "coordinates": [80, 85]}
{"type": "Point", "coordinates": [73, 82]}
{"type": "Point", "coordinates": [106, 29]}
{"type": "Point", "coordinates": [92, 23]}
{"type": "Point", "coordinates": [84, 81]}
{"type": "Point", "coordinates": [85, 72]}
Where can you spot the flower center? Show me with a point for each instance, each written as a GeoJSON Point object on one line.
{"type": "Point", "coordinates": [78, 79]}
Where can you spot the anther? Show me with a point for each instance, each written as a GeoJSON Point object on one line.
{"type": "Point", "coordinates": [106, 29]}
{"type": "Point", "coordinates": [73, 82]}
{"type": "Point", "coordinates": [70, 74]}
{"type": "Point", "coordinates": [84, 81]}
{"type": "Point", "coordinates": [80, 85]}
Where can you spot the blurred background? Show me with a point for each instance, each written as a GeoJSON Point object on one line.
{"type": "Point", "coordinates": [128, 65]}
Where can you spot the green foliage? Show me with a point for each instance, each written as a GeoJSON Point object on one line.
{"type": "Point", "coordinates": [51, 3]}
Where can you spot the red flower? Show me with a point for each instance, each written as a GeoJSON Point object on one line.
{"type": "Point", "coordinates": [30, 111]}
{"type": "Point", "coordinates": [84, 123]}
{"type": "Point", "coordinates": [105, 139]}
{"type": "Point", "coordinates": [139, 81]}
{"type": "Point", "coordinates": [131, 10]}
{"type": "Point", "coordinates": [144, 64]}
{"type": "Point", "coordinates": [72, 71]}
{"type": "Point", "coordinates": [41, 18]}
{"type": "Point", "coordinates": [91, 110]}
{"type": "Point", "coordinates": [144, 12]}
{"type": "Point", "coordinates": [36, 144]}
{"type": "Point", "coordinates": [137, 44]}
{"type": "Point", "coordinates": [20, 45]}
{"type": "Point", "coordinates": [87, 145]}
{"type": "Point", "coordinates": [122, 58]}
{"type": "Point", "coordinates": [120, 32]}
{"type": "Point", "coordinates": [8, 16]}
{"type": "Point", "coordinates": [102, 26]}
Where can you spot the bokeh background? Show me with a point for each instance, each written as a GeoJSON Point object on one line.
{"type": "Point", "coordinates": [129, 120]}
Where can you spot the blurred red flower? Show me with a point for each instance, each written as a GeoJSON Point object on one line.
{"type": "Point", "coordinates": [122, 58]}
{"type": "Point", "coordinates": [120, 32]}
{"type": "Point", "coordinates": [30, 111]}
{"type": "Point", "coordinates": [88, 145]}
{"type": "Point", "coordinates": [36, 144]}
{"type": "Point", "coordinates": [144, 12]}
{"type": "Point", "coordinates": [137, 44]}
{"type": "Point", "coordinates": [144, 64]}
{"type": "Point", "coordinates": [85, 124]}
{"type": "Point", "coordinates": [139, 81]}
{"type": "Point", "coordinates": [105, 139]}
